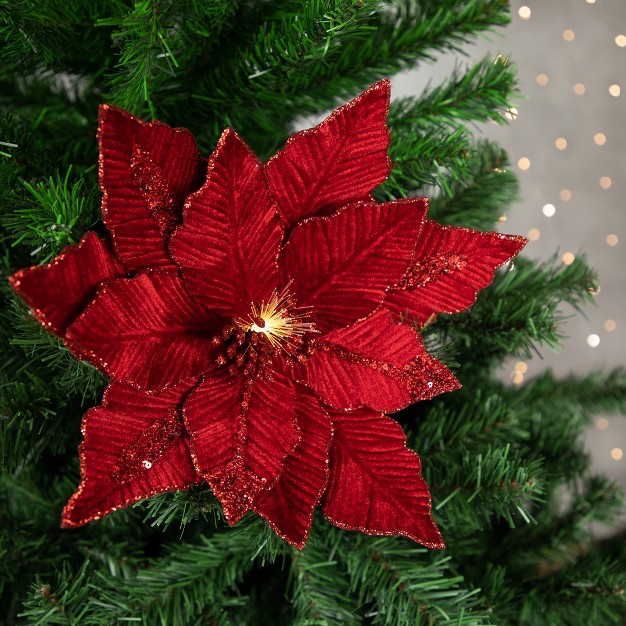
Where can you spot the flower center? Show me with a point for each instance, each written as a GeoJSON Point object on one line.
{"type": "Point", "coordinates": [271, 328]}
{"type": "Point", "coordinates": [279, 320]}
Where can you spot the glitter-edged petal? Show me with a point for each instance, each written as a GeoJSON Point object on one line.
{"type": "Point", "coordinates": [241, 431]}
{"type": "Point", "coordinates": [146, 331]}
{"type": "Point", "coordinates": [60, 290]}
{"type": "Point", "coordinates": [337, 162]}
{"type": "Point", "coordinates": [342, 265]}
{"type": "Point", "coordinates": [450, 267]}
{"type": "Point", "coordinates": [288, 506]}
{"type": "Point", "coordinates": [146, 172]}
{"type": "Point", "coordinates": [231, 233]}
{"type": "Point", "coordinates": [376, 483]}
{"type": "Point", "coordinates": [134, 447]}
{"type": "Point", "coordinates": [375, 363]}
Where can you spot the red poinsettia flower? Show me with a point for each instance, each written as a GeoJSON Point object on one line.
{"type": "Point", "coordinates": [254, 345]}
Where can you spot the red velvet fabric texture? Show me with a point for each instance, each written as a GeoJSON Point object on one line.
{"type": "Point", "coordinates": [247, 316]}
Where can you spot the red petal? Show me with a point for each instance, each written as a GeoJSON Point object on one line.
{"type": "Point", "coordinates": [376, 483]}
{"type": "Point", "coordinates": [242, 430]}
{"type": "Point", "coordinates": [134, 447]}
{"type": "Point", "coordinates": [59, 291]}
{"type": "Point", "coordinates": [376, 363]}
{"type": "Point", "coordinates": [337, 162]}
{"type": "Point", "coordinates": [288, 506]}
{"type": "Point", "coordinates": [146, 172]}
{"type": "Point", "coordinates": [342, 265]}
{"type": "Point", "coordinates": [451, 266]}
{"type": "Point", "coordinates": [146, 331]}
{"type": "Point", "coordinates": [230, 236]}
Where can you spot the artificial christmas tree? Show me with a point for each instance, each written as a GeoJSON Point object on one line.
{"type": "Point", "coordinates": [509, 478]}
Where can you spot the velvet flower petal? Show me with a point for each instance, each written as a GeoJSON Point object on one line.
{"type": "Point", "coordinates": [230, 238]}
{"type": "Point", "coordinates": [146, 172]}
{"type": "Point", "coordinates": [376, 483]}
{"type": "Point", "coordinates": [134, 447]}
{"type": "Point", "coordinates": [336, 163]}
{"type": "Point", "coordinates": [242, 429]}
{"type": "Point", "coordinates": [450, 267]}
{"type": "Point", "coordinates": [289, 504]}
{"type": "Point", "coordinates": [147, 331]}
{"type": "Point", "coordinates": [342, 265]}
{"type": "Point", "coordinates": [60, 290]}
{"type": "Point", "coordinates": [376, 363]}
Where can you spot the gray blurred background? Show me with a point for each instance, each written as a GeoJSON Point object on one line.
{"type": "Point", "coordinates": [567, 144]}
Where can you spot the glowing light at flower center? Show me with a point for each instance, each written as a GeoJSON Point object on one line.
{"type": "Point", "coordinates": [279, 320]}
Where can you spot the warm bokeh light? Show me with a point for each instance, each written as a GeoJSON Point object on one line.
{"type": "Point", "coordinates": [605, 182]}
{"type": "Point", "coordinates": [600, 139]}
{"type": "Point", "coordinates": [565, 195]}
{"type": "Point", "coordinates": [610, 325]}
{"type": "Point", "coordinates": [534, 234]}
{"type": "Point", "coordinates": [502, 218]}
{"type": "Point", "coordinates": [568, 34]}
{"type": "Point", "coordinates": [561, 143]}
{"type": "Point", "coordinates": [612, 240]}
{"type": "Point", "coordinates": [511, 113]}
{"type": "Point", "coordinates": [568, 258]}
{"type": "Point", "coordinates": [593, 340]}
{"type": "Point", "coordinates": [542, 79]}
{"type": "Point", "coordinates": [517, 378]}
{"type": "Point", "coordinates": [579, 89]}
{"type": "Point", "coordinates": [523, 163]}
{"type": "Point", "coordinates": [524, 13]}
{"type": "Point", "coordinates": [521, 367]}
{"type": "Point", "coordinates": [620, 40]}
{"type": "Point", "coordinates": [602, 423]}
{"type": "Point", "coordinates": [548, 210]}
{"type": "Point", "coordinates": [617, 454]}
{"type": "Point", "coordinates": [615, 90]}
